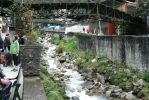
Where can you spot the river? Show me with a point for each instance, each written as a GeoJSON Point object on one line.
{"type": "Point", "coordinates": [74, 84]}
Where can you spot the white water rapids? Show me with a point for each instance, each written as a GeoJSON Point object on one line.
{"type": "Point", "coordinates": [74, 83]}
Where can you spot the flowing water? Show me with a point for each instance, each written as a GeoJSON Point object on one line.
{"type": "Point", "coordinates": [74, 84]}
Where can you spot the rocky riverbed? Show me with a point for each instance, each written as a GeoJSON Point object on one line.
{"type": "Point", "coordinates": [80, 84]}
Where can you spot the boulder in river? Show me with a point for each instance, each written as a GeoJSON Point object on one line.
{"type": "Point", "coordinates": [75, 98]}
{"type": "Point", "coordinates": [130, 96]}
{"type": "Point", "coordinates": [101, 78]}
{"type": "Point", "coordinates": [62, 59]}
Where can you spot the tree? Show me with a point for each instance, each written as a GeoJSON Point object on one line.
{"type": "Point", "coordinates": [143, 8]}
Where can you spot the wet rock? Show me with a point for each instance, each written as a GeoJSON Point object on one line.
{"type": "Point", "coordinates": [62, 59]}
{"type": "Point", "coordinates": [94, 60]}
{"type": "Point", "coordinates": [88, 85]}
{"type": "Point", "coordinates": [69, 66]}
{"type": "Point", "coordinates": [43, 63]}
{"type": "Point", "coordinates": [92, 92]}
{"type": "Point", "coordinates": [108, 93]}
{"type": "Point", "coordinates": [53, 55]}
{"type": "Point", "coordinates": [122, 95]}
{"type": "Point", "coordinates": [104, 88]}
{"type": "Point", "coordinates": [135, 83]}
{"type": "Point", "coordinates": [130, 96]}
{"type": "Point", "coordinates": [67, 60]}
{"type": "Point", "coordinates": [89, 73]}
{"type": "Point", "coordinates": [60, 75]}
{"type": "Point", "coordinates": [101, 78]}
{"type": "Point", "coordinates": [141, 82]}
{"type": "Point", "coordinates": [117, 94]}
{"type": "Point", "coordinates": [75, 98]}
{"type": "Point", "coordinates": [57, 79]}
{"type": "Point", "coordinates": [136, 90]}
{"type": "Point", "coordinates": [46, 48]}
{"type": "Point", "coordinates": [66, 97]}
{"type": "Point", "coordinates": [97, 84]}
{"type": "Point", "coordinates": [118, 90]}
{"type": "Point", "coordinates": [63, 70]}
{"type": "Point", "coordinates": [140, 94]}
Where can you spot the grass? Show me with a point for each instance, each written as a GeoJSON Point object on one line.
{"type": "Point", "coordinates": [53, 91]}
{"type": "Point", "coordinates": [56, 39]}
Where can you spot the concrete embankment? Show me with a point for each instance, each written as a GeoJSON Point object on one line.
{"type": "Point", "coordinates": [33, 89]}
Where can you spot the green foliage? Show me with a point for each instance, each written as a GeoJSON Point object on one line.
{"type": "Point", "coordinates": [146, 76]}
{"type": "Point", "coordinates": [143, 8]}
{"type": "Point", "coordinates": [53, 91]}
{"type": "Point", "coordinates": [71, 45]}
{"type": "Point", "coordinates": [78, 34]}
{"type": "Point", "coordinates": [80, 53]}
{"type": "Point", "coordinates": [146, 88]}
{"type": "Point", "coordinates": [19, 8]}
{"type": "Point", "coordinates": [44, 71]}
{"type": "Point", "coordinates": [33, 37]}
{"type": "Point", "coordinates": [56, 40]}
{"type": "Point", "coordinates": [89, 55]}
{"type": "Point", "coordinates": [60, 49]}
{"type": "Point", "coordinates": [102, 68]}
{"type": "Point", "coordinates": [117, 74]}
{"type": "Point", "coordinates": [87, 64]}
{"type": "Point", "coordinates": [79, 62]}
{"type": "Point", "coordinates": [123, 80]}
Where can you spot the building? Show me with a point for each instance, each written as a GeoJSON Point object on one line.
{"type": "Point", "coordinates": [128, 6]}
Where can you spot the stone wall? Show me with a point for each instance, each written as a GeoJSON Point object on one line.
{"type": "Point", "coordinates": [30, 60]}
{"type": "Point", "coordinates": [131, 50]}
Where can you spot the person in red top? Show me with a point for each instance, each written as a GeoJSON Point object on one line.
{"type": "Point", "coordinates": [88, 30]}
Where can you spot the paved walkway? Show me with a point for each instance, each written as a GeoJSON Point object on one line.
{"type": "Point", "coordinates": [33, 89]}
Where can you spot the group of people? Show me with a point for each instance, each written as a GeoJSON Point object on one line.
{"type": "Point", "coordinates": [12, 48]}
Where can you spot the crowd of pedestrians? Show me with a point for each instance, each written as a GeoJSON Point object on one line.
{"type": "Point", "coordinates": [10, 46]}
{"type": "Point", "coordinates": [9, 55]}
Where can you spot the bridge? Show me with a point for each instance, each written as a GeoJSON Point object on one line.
{"type": "Point", "coordinates": [77, 9]}
{"type": "Point", "coordinates": [80, 9]}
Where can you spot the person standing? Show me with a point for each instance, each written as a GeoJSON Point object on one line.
{"type": "Point", "coordinates": [1, 44]}
{"type": "Point", "coordinates": [7, 42]}
{"type": "Point", "coordinates": [14, 50]}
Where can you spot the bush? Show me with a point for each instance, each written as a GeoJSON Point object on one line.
{"type": "Point", "coordinates": [59, 49]}
{"type": "Point", "coordinates": [56, 40]}
{"type": "Point", "coordinates": [71, 45]}
{"type": "Point", "coordinates": [146, 76]}
{"type": "Point", "coordinates": [33, 37]}
{"type": "Point", "coordinates": [89, 55]}
{"type": "Point", "coordinates": [79, 62]}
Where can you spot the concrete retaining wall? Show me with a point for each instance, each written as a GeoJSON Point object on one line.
{"type": "Point", "coordinates": [133, 51]}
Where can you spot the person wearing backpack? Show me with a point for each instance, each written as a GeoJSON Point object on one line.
{"type": "Point", "coordinates": [7, 42]}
